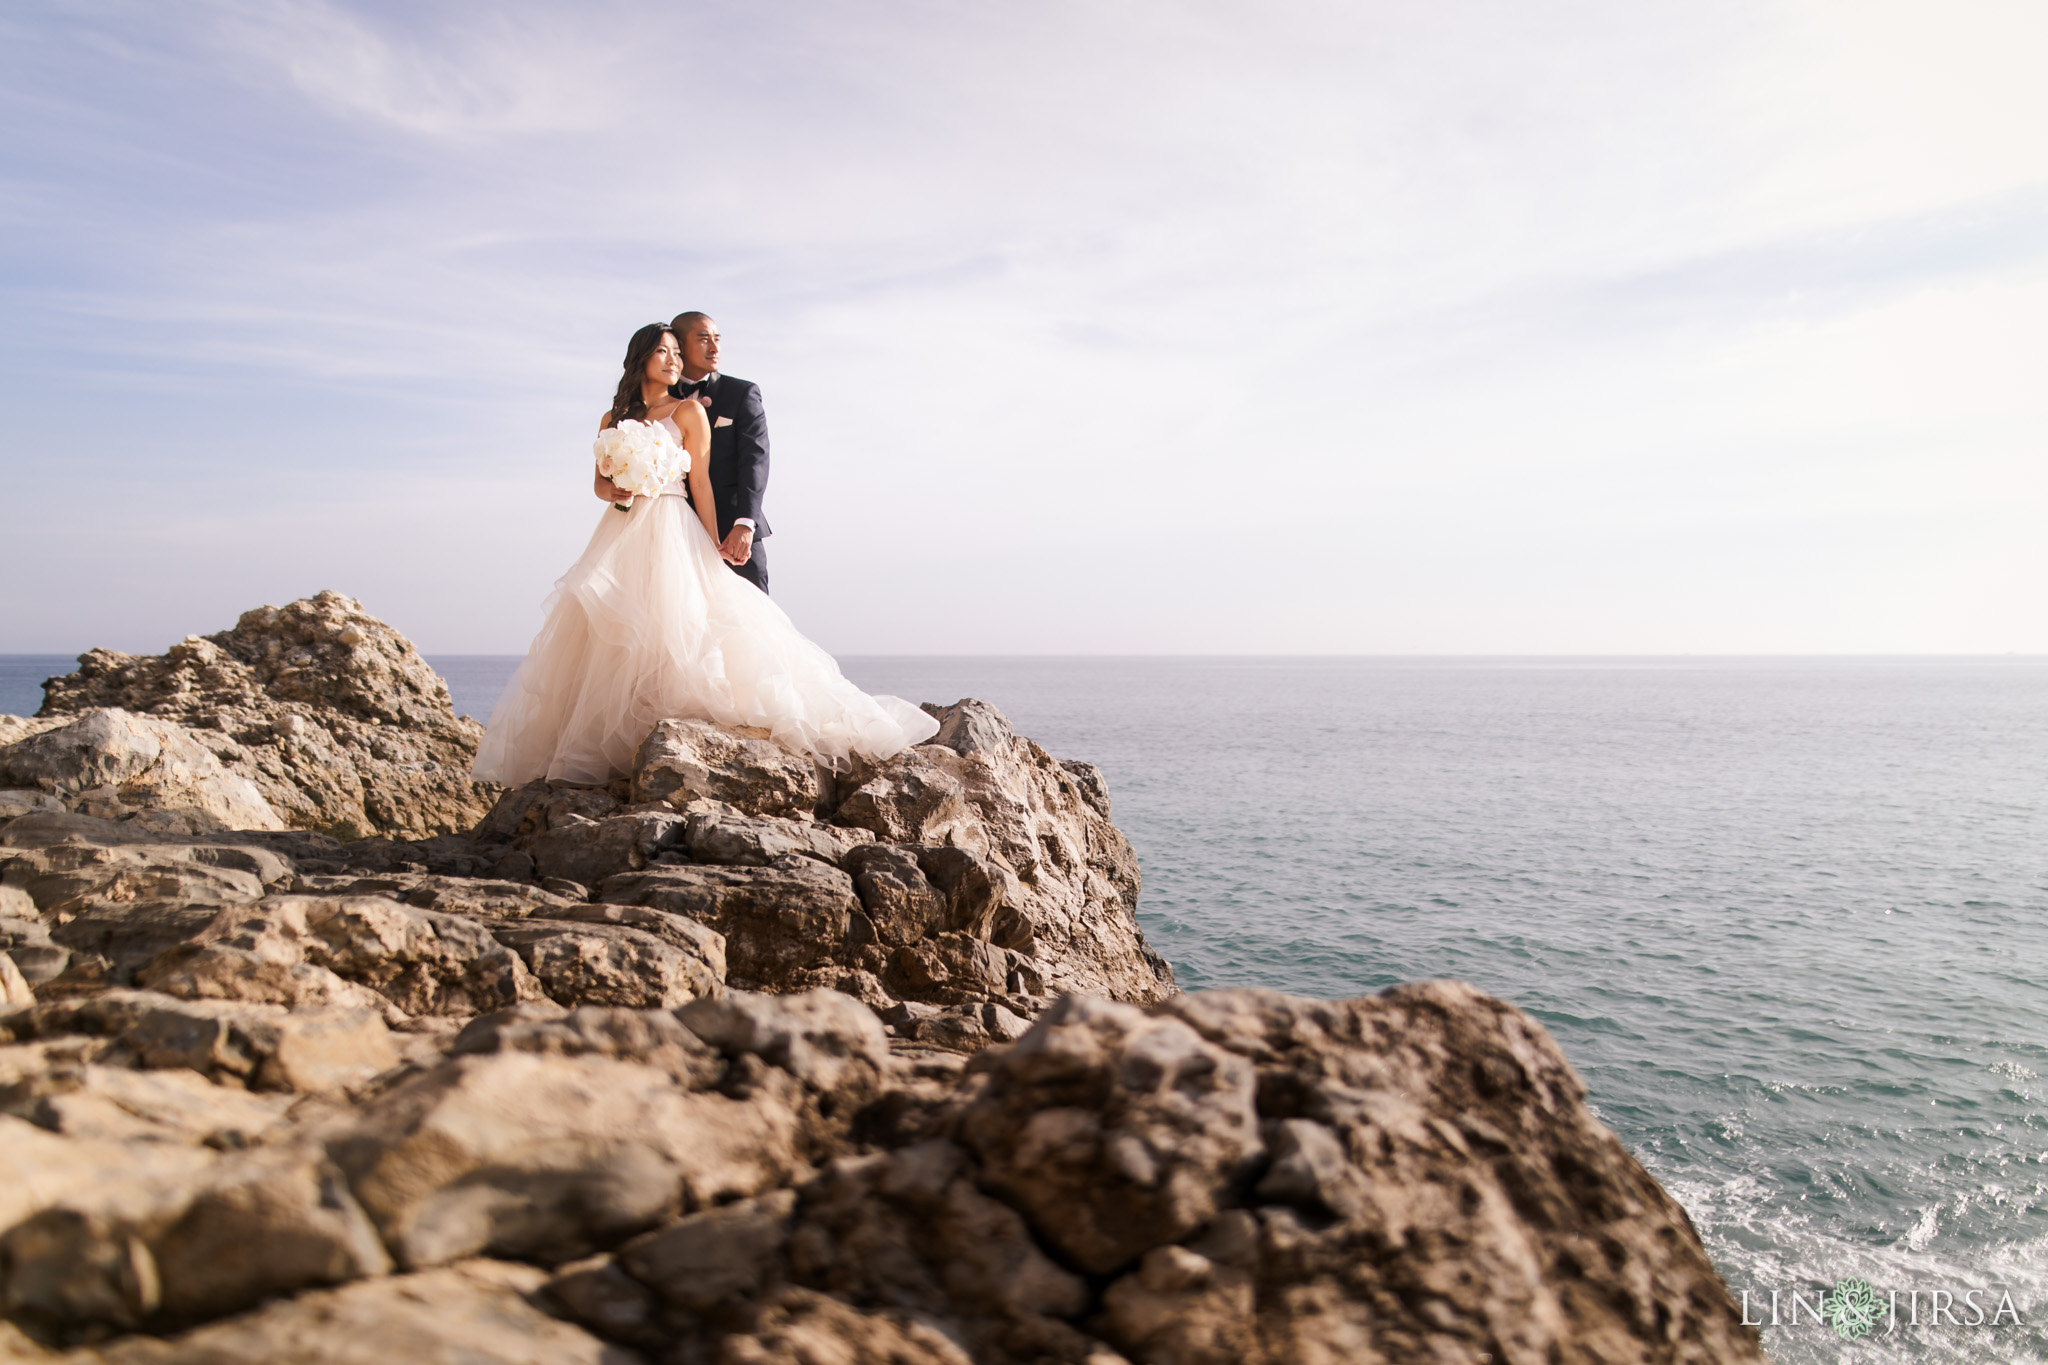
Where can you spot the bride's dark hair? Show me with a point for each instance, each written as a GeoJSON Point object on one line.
{"type": "Point", "coordinates": [627, 404]}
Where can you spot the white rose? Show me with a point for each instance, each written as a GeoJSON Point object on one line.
{"type": "Point", "coordinates": [641, 458]}
{"type": "Point", "coordinates": [610, 447]}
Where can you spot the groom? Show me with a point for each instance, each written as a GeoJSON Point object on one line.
{"type": "Point", "coordinates": [739, 446]}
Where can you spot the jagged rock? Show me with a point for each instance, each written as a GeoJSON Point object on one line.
{"type": "Point", "coordinates": [422, 961]}
{"type": "Point", "coordinates": [141, 761]}
{"type": "Point", "coordinates": [1251, 1177]}
{"type": "Point", "coordinates": [1435, 1183]}
{"type": "Point", "coordinates": [107, 944]}
{"type": "Point", "coordinates": [778, 921]}
{"type": "Point", "coordinates": [909, 1230]}
{"type": "Point", "coordinates": [768, 1174]}
{"type": "Point", "coordinates": [84, 1259]}
{"type": "Point", "coordinates": [465, 1314]}
{"type": "Point", "coordinates": [966, 1027]}
{"type": "Point", "coordinates": [696, 940]}
{"type": "Point", "coordinates": [953, 1030]}
{"type": "Point", "coordinates": [70, 1095]}
{"type": "Point", "coordinates": [42, 828]}
{"type": "Point", "coordinates": [681, 760]}
{"type": "Point", "coordinates": [830, 1042]}
{"type": "Point", "coordinates": [522, 814]}
{"type": "Point", "coordinates": [576, 849]}
{"type": "Point", "coordinates": [479, 897]}
{"type": "Point", "coordinates": [717, 833]}
{"type": "Point", "coordinates": [914, 798]}
{"type": "Point", "coordinates": [901, 904]}
{"type": "Point", "coordinates": [225, 969]}
{"type": "Point", "coordinates": [959, 969]}
{"type": "Point", "coordinates": [444, 855]}
{"type": "Point", "coordinates": [265, 1046]}
{"type": "Point", "coordinates": [330, 713]}
{"type": "Point", "coordinates": [45, 1168]}
{"type": "Point", "coordinates": [61, 876]}
{"type": "Point", "coordinates": [1113, 1130]}
{"type": "Point", "coordinates": [1088, 779]}
{"type": "Point", "coordinates": [701, 1263]}
{"type": "Point", "coordinates": [609, 964]}
{"type": "Point", "coordinates": [271, 1222]}
{"type": "Point", "coordinates": [910, 892]}
{"type": "Point", "coordinates": [970, 726]}
{"type": "Point", "coordinates": [253, 1225]}
{"type": "Point", "coordinates": [1070, 889]}
{"type": "Point", "coordinates": [551, 1157]}
{"type": "Point", "coordinates": [655, 1037]}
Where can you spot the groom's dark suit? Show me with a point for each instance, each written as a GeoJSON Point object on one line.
{"type": "Point", "coordinates": [739, 460]}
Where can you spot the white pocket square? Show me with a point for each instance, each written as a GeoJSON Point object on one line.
{"type": "Point", "coordinates": [723, 422]}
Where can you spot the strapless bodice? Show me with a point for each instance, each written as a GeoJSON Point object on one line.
{"type": "Point", "coordinates": [681, 487]}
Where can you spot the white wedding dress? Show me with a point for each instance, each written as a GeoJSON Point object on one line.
{"type": "Point", "coordinates": [650, 625]}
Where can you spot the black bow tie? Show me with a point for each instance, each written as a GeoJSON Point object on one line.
{"type": "Point", "coordinates": [691, 387]}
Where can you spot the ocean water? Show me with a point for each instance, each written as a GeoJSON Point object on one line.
{"type": "Point", "coordinates": [1788, 918]}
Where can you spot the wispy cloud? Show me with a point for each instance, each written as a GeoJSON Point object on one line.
{"type": "Point", "coordinates": [1024, 283]}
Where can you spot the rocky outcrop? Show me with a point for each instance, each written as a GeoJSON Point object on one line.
{"type": "Point", "coordinates": [159, 768]}
{"type": "Point", "coordinates": [958, 890]}
{"type": "Point", "coordinates": [318, 710]}
{"type": "Point", "coordinates": [255, 1115]}
{"type": "Point", "coordinates": [740, 1060]}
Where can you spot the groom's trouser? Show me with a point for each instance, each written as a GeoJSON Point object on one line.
{"type": "Point", "coordinates": [755, 570]}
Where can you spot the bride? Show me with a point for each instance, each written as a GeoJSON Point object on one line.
{"type": "Point", "coordinates": [651, 625]}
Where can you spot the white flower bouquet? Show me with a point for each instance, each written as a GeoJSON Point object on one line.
{"type": "Point", "coordinates": [640, 458]}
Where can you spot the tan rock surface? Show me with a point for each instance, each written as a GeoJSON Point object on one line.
{"type": "Point", "coordinates": [330, 713]}
{"type": "Point", "coordinates": [739, 1059]}
{"type": "Point", "coordinates": [137, 761]}
{"type": "Point", "coordinates": [474, 1313]}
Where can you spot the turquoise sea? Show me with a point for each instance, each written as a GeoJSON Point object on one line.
{"type": "Point", "coordinates": [1788, 917]}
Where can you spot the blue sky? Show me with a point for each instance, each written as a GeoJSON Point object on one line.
{"type": "Point", "coordinates": [1104, 327]}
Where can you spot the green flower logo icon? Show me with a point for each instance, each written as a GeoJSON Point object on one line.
{"type": "Point", "coordinates": [1853, 1309]}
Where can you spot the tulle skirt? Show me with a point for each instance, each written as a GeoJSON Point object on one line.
{"type": "Point", "coordinates": [650, 625]}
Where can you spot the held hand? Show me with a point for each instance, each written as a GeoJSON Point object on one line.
{"type": "Point", "coordinates": [739, 546]}
{"type": "Point", "coordinates": [612, 493]}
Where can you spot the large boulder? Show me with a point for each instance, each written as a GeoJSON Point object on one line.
{"type": "Point", "coordinates": [682, 760]}
{"type": "Point", "coordinates": [256, 1224]}
{"type": "Point", "coordinates": [598, 963]}
{"type": "Point", "coordinates": [1115, 1131]}
{"type": "Point", "coordinates": [778, 922]}
{"type": "Point", "coordinates": [329, 713]}
{"type": "Point", "coordinates": [418, 961]}
{"type": "Point", "coordinates": [548, 1157]}
{"type": "Point", "coordinates": [261, 1045]}
{"type": "Point", "coordinates": [655, 1037]}
{"type": "Point", "coordinates": [584, 851]}
{"type": "Point", "coordinates": [65, 877]}
{"type": "Point", "coordinates": [1070, 878]}
{"type": "Point", "coordinates": [138, 761]}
